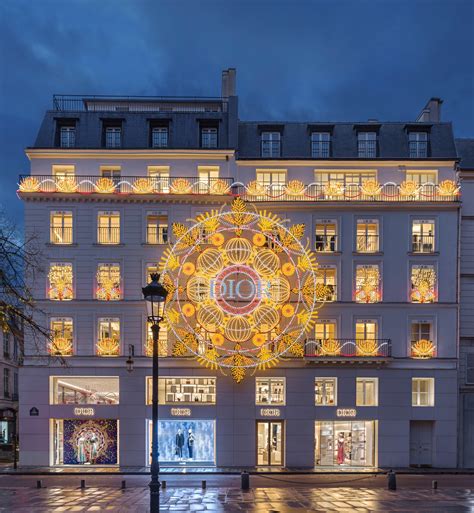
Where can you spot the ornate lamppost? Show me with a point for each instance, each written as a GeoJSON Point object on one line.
{"type": "Point", "coordinates": [155, 296]}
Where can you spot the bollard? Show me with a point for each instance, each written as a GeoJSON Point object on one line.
{"type": "Point", "coordinates": [83, 483]}
{"type": "Point", "coordinates": [434, 485]}
{"type": "Point", "coordinates": [163, 484]}
{"type": "Point", "coordinates": [39, 484]}
{"type": "Point", "coordinates": [124, 484]}
{"type": "Point", "coordinates": [245, 480]}
{"type": "Point", "coordinates": [203, 485]}
{"type": "Point", "coordinates": [392, 480]}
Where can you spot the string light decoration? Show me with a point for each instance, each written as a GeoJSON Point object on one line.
{"type": "Point", "coordinates": [105, 185]}
{"type": "Point", "coordinates": [66, 184]}
{"type": "Point", "coordinates": [61, 346]}
{"type": "Point", "coordinates": [143, 186]}
{"type": "Point", "coordinates": [366, 347]}
{"type": "Point", "coordinates": [329, 347]}
{"type": "Point", "coordinates": [108, 346]}
{"type": "Point", "coordinates": [423, 284]}
{"type": "Point", "coordinates": [367, 284]}
{"type": "Point", "coordinates": [108, 282]}
{"type": "Point", "coordinates": [162, 341]}
{"type": "Point", "coordinates": [235, 276]}
{"type": "Point", "coordinates": [60, 282]}
{"type": "Point", "coordinates": [422, 349]}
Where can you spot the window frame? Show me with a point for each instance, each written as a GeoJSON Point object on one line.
{"type": "Point", "coordinates": [109, 319]}
{"type": "Point", "coordinates": [366, 222]}
{"type": "Point", "coordinates": [416, 392]}
{"type": "Point", "coordinates": [209, 137]}
{"type": "Point", "coordinates": [324, 380]}
{"type": "Point", "coordinates": [416, 143]}
{"type": "Point", "coordinates": [367, 321]}
{"type": "Point", "coordinates": [323, 144]}
{"type": "Point", "coordinates": [162, 230]}
{"type": "Point", "coordinates": [423, 221]}
{"type": "Point", "coordinates": [364, 380]}
{"type": "Point", "coordinates": [113, 129]}
{"type": "Point", "coordinates": [325, 223]}
{"type": "Point", "coordinates": [364, 150]}
{"type": "Point", "coordinates": [53, 394]}
{"type": "Point", "coordinates": [109, 265]}
{"type": "Point", "coordinates": [109, 214]}
{"type": "Point", "coordinates": [62, 214]}
{"type": "Point", "coordinates": [323, 268]}
{"type": "Point", "coordinates": [63, 319]}
{"type": "Point", "coordinates": [160, 175]}
{"type": "Point", "coordinates": [417, 264]}
{"type": "Point", "coordinates": [67, 135]}
{"type": "Point", "coordinates": [62, 263]}
{"type": "Point", "coordinates": [273, 139]}
{"type": "Point", "coordinates": [162, 390]}
{"type": "Point", "coordinates": [159, 129]}
{"type": "Point", "coordinates": [270, 380]}
{"type": "Point", "coordinates": [358, 265]}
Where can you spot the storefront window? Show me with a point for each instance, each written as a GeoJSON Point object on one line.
{"type": "Point", "coordinates": [270, 391]}
{"type": "Point", "coordinates": [184, 390]}
{"type": "Point", "coordinates": [185, 441]}
{"type": "Point", "coordinates": [5, 432]}
{"type": "Point", "coordinates": [345, 443]}
{"type": "Point", "coordinates": [325, 390]}
{"type": "Point", "coordinates": [85, 442]}
{"type": "Point", "coordinates": [85, 390]}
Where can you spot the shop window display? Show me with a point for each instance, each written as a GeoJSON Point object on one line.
{"type": "Point", "coordinates": [85, 442]}
{"type": "Point", "coordinates": [345, 443]}
{"type": "Point", "coordinates": [85, 390]}
{"type": "Point", "coordinates": [184, 390]}
{"type": "Point", "coordinates": [270, 391]}
{"type": "Point", "coordinates": [185, 441]}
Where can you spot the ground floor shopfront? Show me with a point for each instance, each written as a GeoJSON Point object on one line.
{"type": "Point", "coordinates": [297, 417]}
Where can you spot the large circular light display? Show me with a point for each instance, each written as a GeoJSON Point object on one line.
{"type": "Point", "coordinates": [242, 289]}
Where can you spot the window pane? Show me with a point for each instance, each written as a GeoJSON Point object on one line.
{"type": "Point", "coordinates": [85, 390]}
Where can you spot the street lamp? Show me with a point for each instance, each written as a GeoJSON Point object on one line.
{"type": "Point", "coordinates": [155, 296]}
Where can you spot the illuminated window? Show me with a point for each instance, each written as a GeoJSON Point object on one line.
{"type": "Point", "coordinates": [326, 283]}
{"type": "Point", "coordinates": [208, 176]}
{"type": "Point", "coordinates": [270, 391]}
{"type": "Point", "coordinates": [423, 284]}
{"type": "Point", "coordinates": [112, 172]}
{"type": "Point", "coordinates": [270, 144]}
{"type": "Point", "coordinates": [108, 228]}
{"type": "Point", "coordinates": [423, 236]}
{"type": "Point", "coordinates": [326, 235]}
{"type": "Point", "coordinates": [108, 282]}
{"type": "Point", "coordinates": [151, 268]}
{"type": "Point", "coordinates": [367, 392]}
{"type": "Point", "coordinates": [209, 137]}
{"type": "Point", "coordinates": [156, 228]}
{"type": "Point", "coordinates": [422, 392]}
{"type": "Point", "coordinates": [67, 137]}
{"type": "Point", "coordinates": [60, 228]}
{"type": "Point", "coordinates": [102, 390]}
{"type": "Point", "coordinates": [62, 172]}
{"type": "Point", "coordinates": [325, 330]}
{"type": "Point", "coordinates": [418, 144]}
{"type": "Point", "coordinates": [422, 343]}
{"type": "Point", "coordinates": [367, 145]}
{"type": "Point", "coordinates": [61, 336]}
{"type": "Point", "coordinates": [159, 137]}
{"type": "Point", "coordinates": [367, 284]}
{"type": "Point", "coordinates": [273, 180]}
{"type": "Point", "coordinates": [113, 136]}
{"type": "Point", "coordinates": [367, 238]}
{"type": "Point", "coordinates": [422, 177]}
{"type": "Point", "coordinates": [161, 178]}
{"type": "Point", "coordinates": [163, 350]}
{"type": "Point", "coordinates": [352, 180]}
{"type": "Point", "coordinates": [183, 390]}
{"type": "Point", "coordinates": [60, 281]}
{"type": "Point", "coordinates": [108, 340]}
{"type": "Point", "coordinates": [325, 391]}
{"type": "Point", "coordinates": [320, 144]}
{"type": "Point", "coordinates": [366, 329]}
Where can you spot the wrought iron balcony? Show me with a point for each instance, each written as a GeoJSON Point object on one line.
{"type": "Point", "coordinates": [340, 348]}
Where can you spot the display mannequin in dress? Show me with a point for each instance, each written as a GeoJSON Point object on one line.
{"type": "Point", "coordinates": [190, 443]}
{"type": "Point", "coordinates": [81, 451]}
{"type": "Point", "coordinates": [340, 449]}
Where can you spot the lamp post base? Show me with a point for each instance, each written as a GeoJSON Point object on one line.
{"type": "Point", "coordinates": [154, 496]}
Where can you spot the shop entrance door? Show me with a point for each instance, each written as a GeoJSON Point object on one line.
{"type": "Point", "coordinates": [421, 443]}
{"type": "Point", "coordinates": [270, 443]}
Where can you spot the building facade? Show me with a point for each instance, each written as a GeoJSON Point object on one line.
{"type": "Point", "coordinates": [377, 385]}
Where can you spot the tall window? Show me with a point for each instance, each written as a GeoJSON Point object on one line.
{"type": "Point", "coordinates": [151, 268]}
{"type": "Point", "coordinates": [208, 176]}
{"type": "Point", "coordinates": [104, 390]}
{"type": "Point", "coordinates": [6, 382]}
{"type": "Point", "coordinates": [325, 391]}
{"type": "Point", "coordinates": [325, 330]}
{"type": "Point", "coordinates": [108, 282]}
{"type": "Point", "coordinates": [61, 172]}
{"type": "Point", "coordinates": [366, 329]}
{"type": "Point", "coordinates": [367, 284]}
{"type": "Point", "coordinates": [156, 228]}
{"type": "Point", "coordinates": [270, 144]}
{"type": "Point", "coordinates": [320, 144]}
{"type": "Point", "coordinates": [422, 339]}
{"type": "Point", "coordinates": [67, 137]}
{"type": "Point", "coordinates": [326, 235]}
{"type": "Point", "coordinates": [163, 349]}
{"type": "Point", "coordinates": [367, 238]}
{"type": "Point", "coordinates": [270, 391]}
{"type": "Point", "coordinates": [60, 228]}
{"type": "Point", "coordinates": [113, 137]}
{"type": "Point", "coordinates": [161, 178]}
{"type": "Point", "coordinates": [112, 172]}
{"type": "Point", "coordinates": [418, 144]}
{"type": "Point", "coordinates": [108, 340]}
{"type": "Point", "coordinates": [326, 283]}
{"type": "Point", "coordinates": [422, 392]}
{"type": "Point", "coordinates": [6, 344]}
{"type": "Point", "coordinates": [159, 137]}
{"type": "Point", "coordinates": [423, 284]}
{"type": "Point", "coordinates": [273, 180]}
{"type": "Point", "coordinates": [367, 144]}
{"type": "Point", "coordinates": [209, 137]}
{"type": "Point", "coordinates": [108, 228]}
{"type": "Point", "coordinates": [367, 392]}
{"type": "Point", "coordinates": [61, 336]}
{"type": "Point", "coordinates": [422, 177]}
{"type": "Point", "coordinates": [423, 236]}
{"type": "Point", "coordinates": [60, 279]}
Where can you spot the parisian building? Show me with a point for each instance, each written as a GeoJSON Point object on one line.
{"type": "Point", "coordinates": [376, 384]}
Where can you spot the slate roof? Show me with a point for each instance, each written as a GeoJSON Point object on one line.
{"type": "Point", "coordinates": [465, 149]}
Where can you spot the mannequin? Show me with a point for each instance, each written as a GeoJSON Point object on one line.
{"type": "Point", "coordinates": [81, 453]}
{"type": "Point", "coordinates": [190, 443]}
{"type": "Point", "coordinates": [179, 444]}
{"type": "Point", "coordinates": [340, 449]}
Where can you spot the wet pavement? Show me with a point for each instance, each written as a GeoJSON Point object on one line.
{"type": "Point", "coordinates": [233, 500]}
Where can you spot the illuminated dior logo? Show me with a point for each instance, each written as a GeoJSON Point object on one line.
{"type": "Point", "coordinates": [238, 289]}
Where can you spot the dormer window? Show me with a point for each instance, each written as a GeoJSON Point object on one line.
{"type": "Point", "coordinates": [209, 136]}
{"type": "Point", "coordinates": [112, 134]}
{"type": "Point", "coordinates": [320, 145]}
{"type": "Point", "coordinates": [67, 136]}
{"type": "Point", "coordinates": [418, 144]}
{"type": "Point", "coordinates": [367, 145]}
{"type": "Point", "coordinates": [159, 136]}
{"type": "Point", "coordinates": [270, 144]}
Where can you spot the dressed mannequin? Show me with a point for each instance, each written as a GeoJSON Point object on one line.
{"type": "Point", "coordinates": [81, 452]}
{"type": "Point", "coordinates": [190, 443]}
{"type": "Point", "coordinates": [179, 442]}
{"type": "Point", "coordinates": [340, 449]}
{"type": "Point", "coordinates": [93, 448]}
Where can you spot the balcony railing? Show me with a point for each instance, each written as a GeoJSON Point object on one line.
{"type": "Point", "coordinates": [348, 348]}
{"type": "Point", "coordinates": [108, 235]}
{"type": "Point", "coordinates": [367, 243]}
{"type": "Point", "coordinates": [156, 235]}
{"type": "Point", "coordinates": [253, 191]}
{"type": "Point", "coordinates": [326, 243]}
{"type": "Point", "coordinates": [60, 235]}
{"type": "Point", "coordinates": [423, 244]}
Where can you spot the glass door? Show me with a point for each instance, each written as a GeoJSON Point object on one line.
{"type": "Point", "coordinates": [270, 445]}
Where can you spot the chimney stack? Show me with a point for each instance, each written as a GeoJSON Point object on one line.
{"type": "Point", "coordinates": [228, 82]}
{"type": "Point", "coordinates": [431, 111]}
